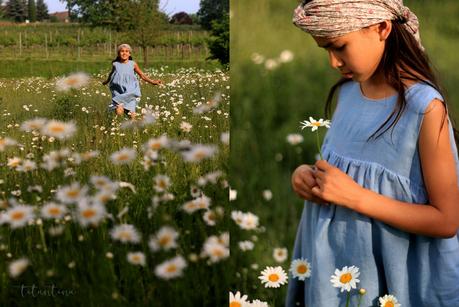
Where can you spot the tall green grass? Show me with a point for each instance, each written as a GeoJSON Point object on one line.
{"type": "Point", "coordinates": [269, 104]}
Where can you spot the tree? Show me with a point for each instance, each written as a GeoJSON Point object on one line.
{"type": "Point", "coordinates": [16, 10]}
{"type": "Point", "coordinates": [148, 24]}
{"type": "Point", "coordinates": [218, 42]}
{"type": "Point", "coordinates": [32, 12]}
{"type": "Point", "coordinates": [211, 10]}
{"type": "Point", "coordinates": [42, 10]}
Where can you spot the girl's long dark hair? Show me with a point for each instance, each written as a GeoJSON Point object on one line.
{"type": "Point", "coordinates": [401, 53]}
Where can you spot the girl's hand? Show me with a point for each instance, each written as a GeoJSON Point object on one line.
{"type": "Point", "coordinates": [157, 82]}
{"type": "Point", "coordinates": [104, 82]}
{"type": "Point", "coordinates": [335, 186]}
{"type": "Point", "coordinates": [303, 181]}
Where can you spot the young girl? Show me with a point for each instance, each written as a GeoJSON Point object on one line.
{"type": "Point", "coordinates": [123, 82]}
{"type": "Point", "coordinates": [385, 198]}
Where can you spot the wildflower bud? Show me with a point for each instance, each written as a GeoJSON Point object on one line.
{"type": "Point", "coordinates": [362, 291]}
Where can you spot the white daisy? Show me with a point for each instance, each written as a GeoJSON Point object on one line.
{"type": "Point", "coordinates": [17, 267]}
{"type": "Point", "coordinates": [136, 258]}
{"type": "Point", "coordinates": [73, 81]}
{"type": "Point", "coordinates": [346, 279]}
{"type": "Point", "coordinates": [172, 268]}
{"type": "Point", "coordinates": [314, 124]}
{"type": "Point", "coordinates": [53, 211]}
{"type": "Point", "coordinates": [162, 183]}
{"type": "Point", "coordinates": [280, 254]}
{"type": "Point", "coordinates": [27, 166]}
{"type": "Point", "coordinates": [156, 144]}
{"type": "Point", "coordinates": [58, 129]}
{"type": "Point", "coordinates": [5, 142]}
{"type": "Point", "coordinates": [14, 162]}
{"type": "Point", "coordinates": [286, 56]}
{"type": "Point", "coordinates": [90, 214]}
{"type": "Point", "coordinates": [215, 251]}
{"type": "Point", "coordinates": [199, 152]}
{"type": "Point", "coordinates": [33, 124]}
{"type": "Point", "coordinates": [389, 300]}
{"type": "Point", "coordinates": [236, 300]}
{"type": "Point", "coordinates": [71, 193]}
{"type": "Point", "coordinates": [103, 183]}
{"type": "Point", "coordinates": [123, 156]}
{"type": "Point", "coordinates": [125, 233]}
{"type": "Point", "coordinates": [258, 303]}
{"type": "Point", "coordinates": [273, 277]}
{"type": "Point", "coordinates": [225, 138]}
{"type": "Point", "coordinates": [246, 245]}
{"type": "Point", "coordinates": [267, 195]}
{"type": "Point", "coordinates": [294, 139]}
{"type": "Point", "coordinates": [210, 217]}
{"type": "Point", "coordinates": [300, 268]}
{"type": "Point", "coordinates": [165, 238]}
{"type": "Point", "coordinates": [249, 221]}
{"type": "Point", "coordinates": [185, 126]}
{"type": "Point", "coordinates": [19, 215]}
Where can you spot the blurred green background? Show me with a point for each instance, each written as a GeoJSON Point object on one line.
{"type": "Point", "coordinates": [268, 103]}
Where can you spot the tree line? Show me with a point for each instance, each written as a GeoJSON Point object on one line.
{"type": "Point", "coordinates": [22, 10]}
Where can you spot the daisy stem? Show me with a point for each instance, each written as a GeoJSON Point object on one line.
{"type": "Point", "coordinates": [348, 299]}
{"type": "Point", "coordinates": [318, 145]}
{"type": "Point", "coordinates": [360, 300]}
{"type": "Point", "coordinates": [42, 236]}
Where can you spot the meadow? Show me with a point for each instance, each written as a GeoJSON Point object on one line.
{"type": "Point", "coordinates": [96, 209]}
{"type": "Point", "coordinates": [279, 78]}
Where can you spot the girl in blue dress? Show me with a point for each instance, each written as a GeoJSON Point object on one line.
{"type": "Point", "coordinates": [385, 197]}
{"type": "Point", "coordinates": [124, 84]}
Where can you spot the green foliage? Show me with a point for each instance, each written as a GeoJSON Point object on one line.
{"type": "Point", "coordinates": [210, 10]}
{"type": "Point", "coordinates": [32, 11]}
{"type": "Point", "coordinates": [42, 10]}
{"type": "Point", "coordinates": [219, 40]}
{"type": "Point", "coordinates": [16, 10]}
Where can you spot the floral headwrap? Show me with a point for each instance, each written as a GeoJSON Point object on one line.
{"type": "Point", "coordinates": [333, 18]}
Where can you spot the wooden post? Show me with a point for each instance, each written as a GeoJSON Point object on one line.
{"type": "Point", "coordinates": [46, 45]}
{"type": "Point", "coordinates": [78, 42]}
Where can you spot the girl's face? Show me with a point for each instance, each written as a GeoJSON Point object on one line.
{"type": "Point", "coordinates": [357, 54]}
{"type": "Point", "coordinates": [124, 54]}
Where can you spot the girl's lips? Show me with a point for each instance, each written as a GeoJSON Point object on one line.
{"type": "Point", "coordinates": [347, 74]}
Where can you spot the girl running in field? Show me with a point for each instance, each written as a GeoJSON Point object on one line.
{"type": "Point", "coordinates": [385, 197]}
{"type": "Point", "coordinates": [124, 85]}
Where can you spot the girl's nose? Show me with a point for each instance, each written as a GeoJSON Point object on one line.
{"type": "Point", "coordinates": [335, 62]}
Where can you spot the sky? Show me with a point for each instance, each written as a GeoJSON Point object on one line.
{"type": "Point", "coordinates": [170, 6]}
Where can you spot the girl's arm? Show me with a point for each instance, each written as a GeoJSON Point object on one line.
{"type": "Point", "coordinates": [144, 77]}
{"type": "Point", "coordinates": [109, 76]}
{"type": "Point", "coordinates": [440, 218]}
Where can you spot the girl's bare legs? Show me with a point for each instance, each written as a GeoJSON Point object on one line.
{"type": "Point", "coordinates": [120, 109]}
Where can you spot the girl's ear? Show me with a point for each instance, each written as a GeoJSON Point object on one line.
{"type": "Point", "coordinates": [384, 29]}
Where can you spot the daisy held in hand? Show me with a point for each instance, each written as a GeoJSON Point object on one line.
{"type": "Point", "coordinates": [314, 125]}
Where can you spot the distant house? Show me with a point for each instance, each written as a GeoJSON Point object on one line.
{"type": "Point", "coordinates": [61, 16]}
{"type": "Point", "coordinates": [181, 18]}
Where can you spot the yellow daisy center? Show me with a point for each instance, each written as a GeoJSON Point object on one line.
{"type": "Point", "coordinates": [389, 304]}
{"type": "Point", "coordinates": [164, 240]}
{"type": "Point", "coordinates": [317, 124]}
{"type": "Point", "coordinates": [54, 211]}
{"type": "Point", "coordinates": [217, 253]}
{"type": "Point", "coordinates": [155, 146]}
{"type": "Point", "coordinates": [17, 215]}
{"type": "Point", "coordinates": [273, 277]}
{"type": "Point", "coordinates": [88, 213]}
{"type": "Point", "coordinates": [345, 278]}
{"type": "Point", "coordinates": [235, 304]}
{"type": "Point", "coordinates": [135, 258]}
{"type": "Point", "coordinates": [73, 193]}
{"type": "Point", "coordinates": [162, 184]}
{"type": "Point", "coordinates": [123, 157]}
{"type": "Point", "coordinates": [57, 128]}
{"type": "Point", "coordinates": [302, 268]}
{"type": "Point", "coordinates": [125, 235]}
{"type": "Point", "coordinates": [71, 81]}
{"type": "Point", "coordinates": [171, 268]}
{"type": "Point", "coordinates": [200, 155]}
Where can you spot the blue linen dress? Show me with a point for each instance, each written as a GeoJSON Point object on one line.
{"type": "Point", "coordinates": [124, 86]}
{"type": "Point", "coordinates": [418, 270]}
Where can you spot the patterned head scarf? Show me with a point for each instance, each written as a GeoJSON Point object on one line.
{"type": "Point", "coordinates": [333, 18]}
{"type": "Point", "coordinates": [124, 46]}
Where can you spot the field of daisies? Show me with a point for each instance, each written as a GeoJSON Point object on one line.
{"type": "Point", "coordinates": [98, 209]}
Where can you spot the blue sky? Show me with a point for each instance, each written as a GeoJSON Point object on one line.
{"type": "Point", "coordinates": [170, 6]}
